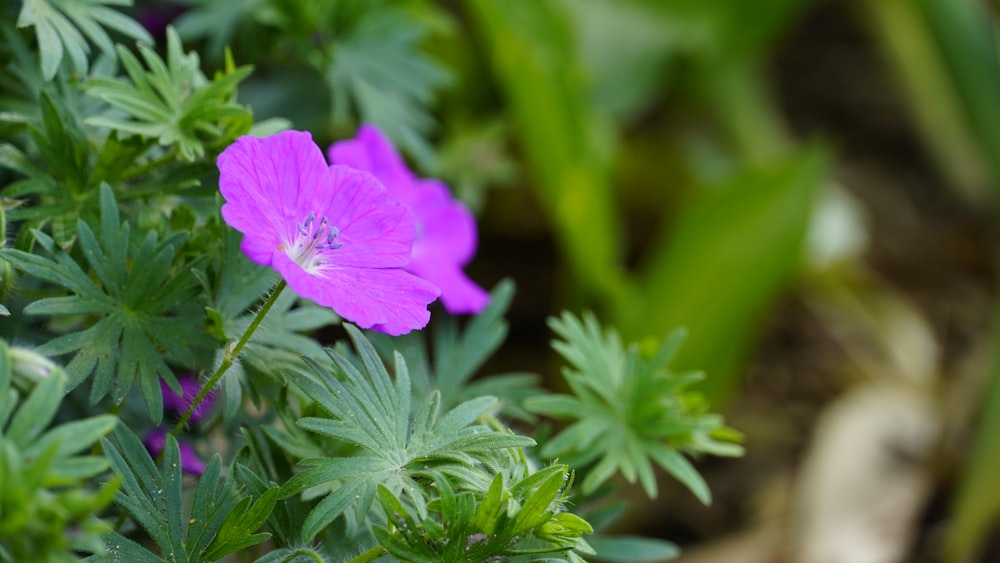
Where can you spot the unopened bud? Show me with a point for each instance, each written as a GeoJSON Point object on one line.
{"type": "Point", "coordinates": [30, 367]}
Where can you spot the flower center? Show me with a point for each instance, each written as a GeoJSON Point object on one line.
{"type": "Point", "coordinates": [312, 238]}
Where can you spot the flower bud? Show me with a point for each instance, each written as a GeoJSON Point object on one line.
{"type": "Point", "coordinates": [30, 367]}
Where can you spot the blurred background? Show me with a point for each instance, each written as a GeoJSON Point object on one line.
{"type": "Point", "coordinates": [808, 186]}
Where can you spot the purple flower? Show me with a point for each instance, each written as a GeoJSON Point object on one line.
{"type": "Point", "coordinates": [190, 462]}
{"type": "Point", "coordinates": [332, 232]}
{"type": "Point", "coordinates": [446, 230]}
{"type": "Point", "coordinates": [189, 389]}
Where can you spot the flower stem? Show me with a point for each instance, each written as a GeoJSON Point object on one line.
{"type": "Point", "coordinates": [370, 555]}
{"type": "Point", "coordinates": [229, 357]}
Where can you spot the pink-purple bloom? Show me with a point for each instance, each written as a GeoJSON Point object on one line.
{"type": "Point", "coordinates": [190, 386]}
{"type": "Point", "coordinates": [190, 462]}
{"type": "Point", "coordinates": [446, 229]}
{"type": "Point", "coordinates": [332, 232]}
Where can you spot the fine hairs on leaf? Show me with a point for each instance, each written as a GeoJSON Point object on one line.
{"type": "Point", "coordinates": [401, 445]}
{"type": "Point", "coordinates": [630, 410]}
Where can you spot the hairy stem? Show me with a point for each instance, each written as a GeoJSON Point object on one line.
{"type": "Point", "coordinates": [229, 357]}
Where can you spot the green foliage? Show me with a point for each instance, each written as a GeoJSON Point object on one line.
{"type": "Point", "coordinates": [60, 26]}
{"type": "Point", "coordinates": [399, 447]}
{"type": "Point", "coordinates": [135, 294]}
{"type": "Point", "coordinates": [458, 356]}
{"type": "Point", "coordinates": [376, 69]}
{"type": "Point", "coordinates": [221, 520]}
{"type": "Point", "coordinates": [367, 52]}
{"type": "Point", "coordinates": [633, 549]}
{"type": "Point", "coordinates": [629, 410]}
{"type": "Point", "coordinates": [749, 228]}
{"type": "Point", "coordinates": [541, 76]}
{"type": "Point", "coordinates": [62, 180]}
{"type": "Point", "coordinates": [47, 509]}
{"type": "Point", "coordinates": [522, 517]}
{"type": "Point", "coordinates": [173, 101]}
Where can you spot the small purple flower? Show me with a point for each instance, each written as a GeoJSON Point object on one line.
{"type": "Point", "coordinates": [190, 386]}
{"type": "Point", "coordinates": [190, 462]}
{"type": "Point", "coordinates": [332, 232]}
{"type": "Point", "coordinates": [446, 229]}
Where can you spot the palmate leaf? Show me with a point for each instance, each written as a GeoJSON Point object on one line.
{"type": "Point", "coordinates": [132, 297]}
{"type": "Point", "coordinates": [63, 27]}
{"type": "Point", "coordinates": [458, 356]}
{"type": "Point", "coordinates": [630, 410]}
{"type": "Point", "coordinates": [172, 101]}
{"type": "Point", "coordinates": [399, 446]}
{"type": "Point", "coordinates": [376, 68]}
{"type": "Point", "coordinates": [222, 518]}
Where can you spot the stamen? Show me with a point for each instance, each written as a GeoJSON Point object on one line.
{"type": "Point", "coordinates": [313, 236]}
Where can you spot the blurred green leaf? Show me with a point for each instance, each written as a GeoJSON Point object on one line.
{"type": "Point", "coordinates": [566, 142]}
{"type": "Point", "coordinates": [724, 260]}
{"type": "Point", "coordinates": [912, 52]}
{"type": "Point", "coordinates": [376, 68]}
{"type": "Point", "coordinates": [977, 503]}
{"type": "Point", "coordinates": [47, 510]}
{"type": "Point", "coordinates": [965, 33]}
{"type": "Point", "coordinates": [632, 549]}
{"type": "Point", "coordinates": [60, 26]}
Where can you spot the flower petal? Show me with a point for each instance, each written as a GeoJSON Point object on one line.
{"type": "Point", "coordinates": [371, 151]}
{"type": "Point", "coordinates": [270, 184]}
{"type": "Point", "coordinates": [375, 230]}
{"type": "Point", "coordinates": [459, 294]}
{"type": "Point", "coordinates": [446, 230]}
{"type": "Point", "coordinates": [393, 299]}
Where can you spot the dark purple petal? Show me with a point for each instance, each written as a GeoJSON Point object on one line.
{"type": "Point", "coordinates": [154, 441]}
{"type": "Point", "coordinates": [190, 386]}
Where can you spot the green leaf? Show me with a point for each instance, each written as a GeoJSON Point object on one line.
{"type": "Point", "coordinates": [375, 67]}
{"type": "Point", "coordinates": [366, 408]}
{"type": "Point", "coordinates": [35, 413]}
{"type": "Point", "coordinates": [522, 516]}
{"type": "Point", "coordinates": [541, 76]}
{"type": "Point", "coordinates": [173, 101]}
{"type": "Point", "coordinates": [60, 26]}
{"type": "Point", "coordinates": [221, 519]}
{"type": "Point", "coordinates": [633, 549]}
{"type": "Point", "coordinates": [629, 410]}
{"type": "Point", "coordinates": [47, 510]}
{"type": "Point", "coordinates": [458, 356]}
{"type": "Point", "coordinates": [750, 228]}
{"type": "Point", "coordinates": [136, 293]}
